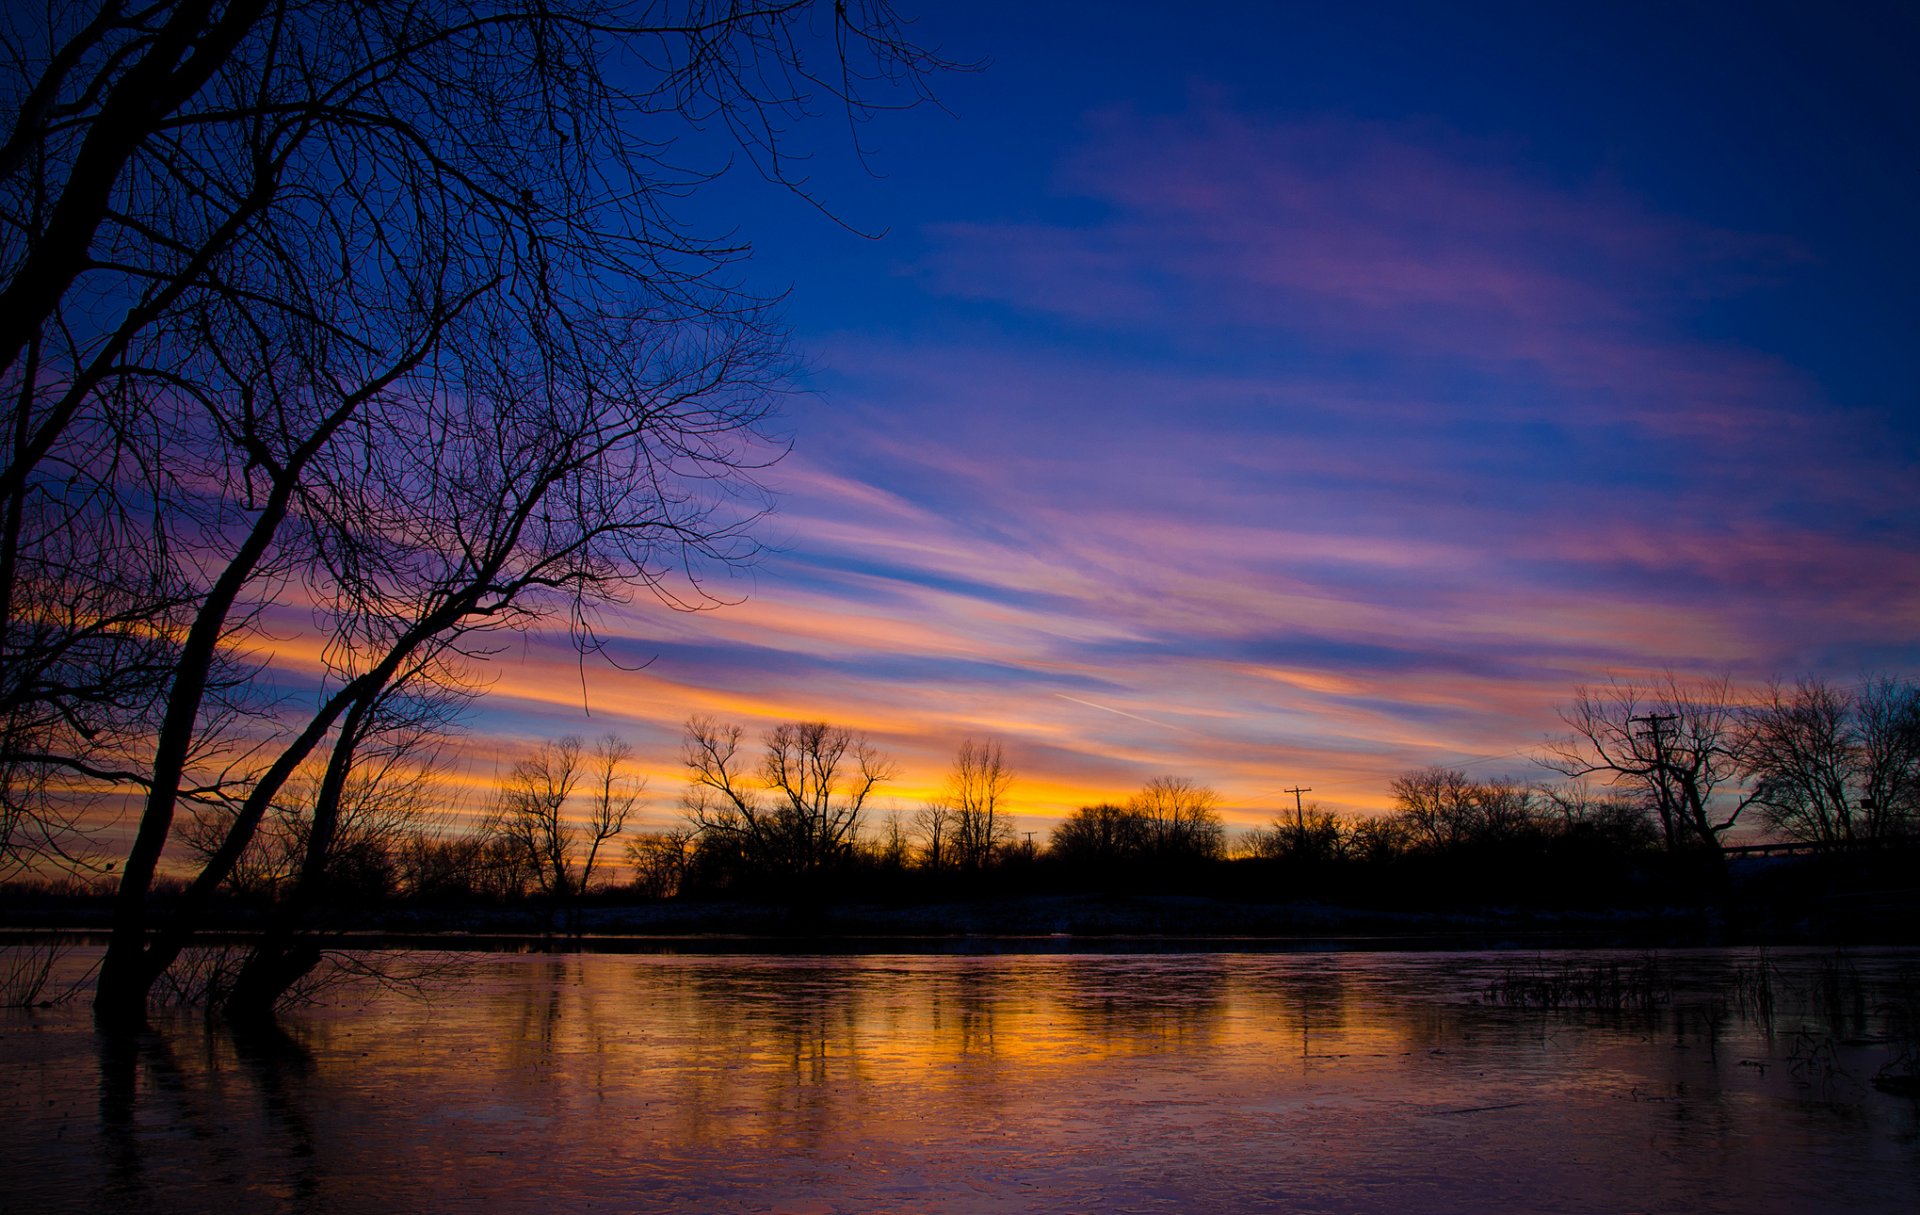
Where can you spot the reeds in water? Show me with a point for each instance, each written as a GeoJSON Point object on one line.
{"type": "Point", "coordinates": [1609, 986]}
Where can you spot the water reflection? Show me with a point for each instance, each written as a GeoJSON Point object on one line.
{"type": "Point", "coordinates": [1705, 1081]}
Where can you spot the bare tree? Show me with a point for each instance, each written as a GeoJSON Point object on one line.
{"type": "Point", "coordinates": [559, 842]}
{"type": "Point", "coordinates": [798, 810]}
{"type": "Point", "coordinates": [1099, 836]}
{"type": "Point", "coordinates": [337, 833]}
{"type": "Point", "coordinates": [461, 863]}
{"type": "Point", "coordinates": [820, 776]}
{"type": "Point", "coordinates": [976, 787]}
{"type": "Point", "coordinates": [612, 796]}
{"type": "Point", "coordinates": [1436, 805]}
{"type": "Point", "coordinates": [1376, 839]}
{"type": "Point", "coordinates": [1675, 743]}
{"type": "Point", "coordinates": [533, 812]}
{"type": "Point", "coordinates": [1576, 810]}
{"type": "Point", "coordinates": [891, 847]}
{"type": "Point", "coordinates": [1309, 835]}
{"type": "Point", "coordinates": [933, 825]}
{"type": "Point", "coordinates": [661, 860]}
{"type": "Point", "coordinates": [1887, 730]}
{"type": "Point", "coordinates": [1180, 819]}
{"type": "Point", "coordinates": [385, 302]}
{"type": "Point", "coordinates": [721, 800]}
{"type": "Point", "coordinates": [1505, 810]}
{"type": "Point", "coordinates": [1832, 765]}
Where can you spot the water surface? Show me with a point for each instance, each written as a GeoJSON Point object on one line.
{"type": "Point", "coordinates": [1705, 1081]}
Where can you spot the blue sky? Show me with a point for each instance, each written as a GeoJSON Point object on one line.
{"type": "Point", "coordinates": [1297, 394]}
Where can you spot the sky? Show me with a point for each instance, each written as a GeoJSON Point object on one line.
{"type": "Point", "coordinates": [1287, 396]}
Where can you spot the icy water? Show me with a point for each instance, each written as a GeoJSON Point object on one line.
{"type": "Point", "coordinates": [1707, 1081]}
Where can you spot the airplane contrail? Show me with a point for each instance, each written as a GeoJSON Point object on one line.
{"type": "Point", "coordinates": [1123, 713]}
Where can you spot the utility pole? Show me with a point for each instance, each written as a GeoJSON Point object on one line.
{"type": "Point", "coordinates": [1653, 721]}
{"type": "Point", "coordinates": [1299, 813]}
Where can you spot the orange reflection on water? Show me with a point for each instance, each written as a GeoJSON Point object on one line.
{"type": "Point", "coordinates": [1215, 1082]}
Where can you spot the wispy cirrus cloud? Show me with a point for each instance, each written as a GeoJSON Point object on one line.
{"type": "Point", "coordinates": [1298, 451]}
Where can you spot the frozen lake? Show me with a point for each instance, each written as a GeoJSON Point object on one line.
{"type": "Point", "coordinates": [1704, 1081]}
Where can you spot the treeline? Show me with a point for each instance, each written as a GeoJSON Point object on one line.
{"type": "Point", "coordinates": [1653, 779]}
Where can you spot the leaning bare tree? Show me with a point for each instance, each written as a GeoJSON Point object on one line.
{"type": "Point", "coordinates": [373, 319]}
{"type": "Point", "coordinates": [1673, 743]}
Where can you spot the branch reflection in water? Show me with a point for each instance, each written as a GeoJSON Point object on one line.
{"type": "Point", "coordinates": [1226, 1082]}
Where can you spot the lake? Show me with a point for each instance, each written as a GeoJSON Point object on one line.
{"type": "Point", "coordinates": [1670, 1081]}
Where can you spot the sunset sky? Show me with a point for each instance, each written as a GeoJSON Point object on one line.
{"type": "Point", "coordinates": [1284, 395]}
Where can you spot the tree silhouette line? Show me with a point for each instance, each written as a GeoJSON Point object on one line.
{"type": "Point", "coordinates": [788, 814]}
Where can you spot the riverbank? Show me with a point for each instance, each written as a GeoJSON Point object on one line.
{"type": "Point", "coordinates": [1763, 901]}
{"type": "Point", "coordinates": [1050, 924]}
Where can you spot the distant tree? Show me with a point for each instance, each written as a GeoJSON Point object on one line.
{"type": "Point", "coordinates": [1180, 819]}
{"type": "Point", "coordinates": [892, 849]}
{"type": "Point", "coordinates": [1833, 765]}
{"type": "Point", "coordinates": [611, 797]}
{"type": "Point", "coordinates": [1678, 744]}
{"type": "Point", "coordinates": [1443, 809]}
{"type": "Point", "coordinates": [442, 865]}
{"type": "Point", "coordinates": [933, 827]}
{"type": "Point", "coordinates": [661, 860]}
{"type": "Point", "coordinates": [795, 812]}
{"type": "Point", "coordinates": [976, 790]}
{"type": "Point", "coordinates": [1306, 835]}
{"type": "Point", "coordinates": [1376, 839]}
{"type": "Point", "coordinates": [529, 813]}
{"type": "Point", "coordinates": [1505, 811]}
{"type": "Point", "coordinates": [532, 814]}
{"type": "Point", "coordinates": [1436, 806]}
{"type": "Point", "coordinates": [1579, 813]}
{"type": "Point", "coordinates": [1098, 837]}
{"type": "Point", "coordinates": [334, 835]}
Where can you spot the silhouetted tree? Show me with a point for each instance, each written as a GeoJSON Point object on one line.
{"type": "Point", "coordinates": [1677, 744]}
{"type": "Point", "coordinates": [661, 860]}
{"type": "Point", "coordinates": [976, 788]}
{"type": "Point", "coordinates": [533, 813]}
{"type": "Point", "coordinates": [1180, 819]}
{"type": "Point", "coordinates": [1578, 813]}
{"type": "Point", "coordinates": [611, 797]}
{"type": "Point", "coordinates": [461, 859]}
{"type": "Point", "coordinates": [1103, 836]}
{"type": "Point", "coordinates": [385, 301]}
{"type": "Point", "coordinates": [1436, 806]}
{"type": "Point", "coordinates": [335, 833]}
{"type": "Point", "coordinates": [1308, 835]}
{"type": "Point", "coordinates": [933, 826]}
{"type": "Point", "coordinates": [1376, 840]}
{"type": "Point", "coordinates": [1505, 811]}
{"type": "Point", "coordinates": [1834, 765]}
{"type": "Point", "coordinates": [891, 849]}
{"type": "Point", "coordinates": [795, 812]}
